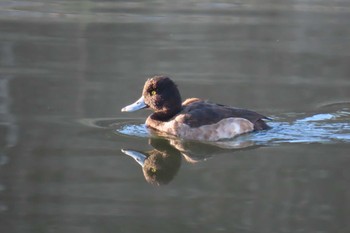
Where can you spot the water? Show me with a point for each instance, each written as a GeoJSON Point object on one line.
{"type": "Point", "coordinates": [68, 67]}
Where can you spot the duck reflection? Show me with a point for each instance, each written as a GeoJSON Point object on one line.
{"type": "Point", "coordinates": [161, 164]}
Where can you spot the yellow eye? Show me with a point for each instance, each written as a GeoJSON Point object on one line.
{"type": "Point", "coordinates": [153, 170]}
{"type": "Point", "coordinates": [153, 92]}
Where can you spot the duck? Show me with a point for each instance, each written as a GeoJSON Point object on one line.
{"type": "Point", "coordinates": [194, 118]}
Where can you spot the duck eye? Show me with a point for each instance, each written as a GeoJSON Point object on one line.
{"type": "Point", "coordinates": [153, 170]}
{"type": "Point", "coordinates": [153, 92]}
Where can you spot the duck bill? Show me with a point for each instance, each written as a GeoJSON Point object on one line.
{"type": "Point", "coordinates": [139, 104]}
{"type": "Point", "coordinates": [138, 156]}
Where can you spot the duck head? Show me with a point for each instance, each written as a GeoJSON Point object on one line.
{"type": "Point", "coordinates": [161, 95]}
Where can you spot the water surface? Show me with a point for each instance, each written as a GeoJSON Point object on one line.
{"type": "Point", "coordinates": [68, 67]}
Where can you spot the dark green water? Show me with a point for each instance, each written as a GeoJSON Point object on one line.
{"type": "Point", "coordinates": [68, 67]}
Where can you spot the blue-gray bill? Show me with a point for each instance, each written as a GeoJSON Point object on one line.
{"type": "Point", "coordinates": [138, 156]}
{"type": "Point", "coordinates": [139, 104]}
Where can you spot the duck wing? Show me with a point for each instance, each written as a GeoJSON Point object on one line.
{"type": "Point", "coordinates": [198, 113]}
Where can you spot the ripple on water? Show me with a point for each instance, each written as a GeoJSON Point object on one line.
{"type": "Point", "coordinates": [138, 130]}
{"type": "Point", "coordinates": [125, 126]}
{"type": "Point", "coordinates": [321, 128]}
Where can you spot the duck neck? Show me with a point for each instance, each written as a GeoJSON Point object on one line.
{"type": "Point", "coordinates": [167, 114]}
